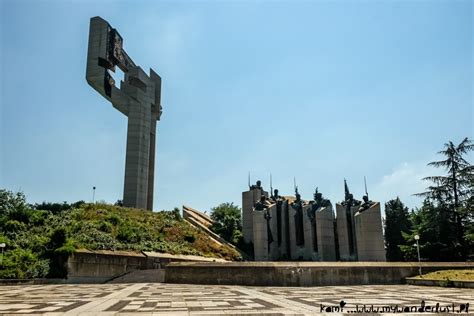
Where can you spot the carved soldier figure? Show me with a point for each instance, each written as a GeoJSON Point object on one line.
{"type": "Point", "coordinates": [318, 202]}
{"type": "Point", "coordinates": [268, 217]}
{"type": "Point", "coordinates": [366, 204]}
{"type": "Point", "coordinates": [276, 197]}
{"type": "Point", "coordinates": [261, 204]}
{"type": "Point", "coordinates": [297, 205]}
{"type": "Point", "coordinates": [349, 202]}
{"type": "Point", "coordinates": [258, 185]}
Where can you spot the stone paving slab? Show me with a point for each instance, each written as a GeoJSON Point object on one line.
{"type": "Point", "coordinates": [182, 299]}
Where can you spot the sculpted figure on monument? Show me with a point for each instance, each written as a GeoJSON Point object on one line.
{"type": "Point", "coordinates": [297, 205]}
{"type": "Point", "coordinates": [349, 202]}
{"type": "Point", "coordinates": [268, 217]}
{"type": "Point", "coordinates": [276, 197]}
{"type": "Point", "coordinates": [366, 204]}
{"type": "Point", "coordinates": [318, 202]}
{"type": "Point", "coordinates": [258, 185]}
{"type": "Point", "coordinates": [261, 204]}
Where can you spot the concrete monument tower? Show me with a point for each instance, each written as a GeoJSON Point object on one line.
{"type": "Point", "coordinates": [139, 98]}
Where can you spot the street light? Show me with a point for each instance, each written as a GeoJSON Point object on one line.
{"type": "Point", "coordinates": [417, 237]}
{"type": "Point", "coordinates": [2, 245]}
{"type": "Point", "coordinates": [93, 195]}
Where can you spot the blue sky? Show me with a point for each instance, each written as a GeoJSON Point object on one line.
{"type": "Point", "coordinates": [317, 90]}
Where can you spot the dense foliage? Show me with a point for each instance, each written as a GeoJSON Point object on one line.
{"type": "Point", "coordinates": [40, 237]}
{"type": "Point", "coordinates": [445, 221]}
{"type": "Point", "coordinates": [397, 223]}
{"type": "Point", "coordinates": [227, 222]}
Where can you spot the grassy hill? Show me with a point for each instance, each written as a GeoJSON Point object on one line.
{"type": "Point", "coordinates": [39, 238]}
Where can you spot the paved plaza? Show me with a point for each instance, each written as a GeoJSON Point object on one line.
{"type": "Point", "coordinates": [178, 299]}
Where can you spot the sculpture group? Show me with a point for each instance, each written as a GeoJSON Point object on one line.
{"type": "Point", "coordinates": [289, 228]}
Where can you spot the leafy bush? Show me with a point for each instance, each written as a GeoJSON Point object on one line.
{"type": "Point", "coordinates": [23, 264]}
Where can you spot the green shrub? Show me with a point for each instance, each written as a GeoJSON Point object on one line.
{"type": "Point", "coordinates": [105, 227]}
{"type": "Point", "coordinates": [14, 226]}
{"type": "Point", "coordinates": [114, 219]}
{"type": "Point", "coordinates": [23, 264]}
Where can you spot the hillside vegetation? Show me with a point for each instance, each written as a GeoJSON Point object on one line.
{"type": "Point", "coordinates": [39, 238]}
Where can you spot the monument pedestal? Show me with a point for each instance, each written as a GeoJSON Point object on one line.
{"type": "Point", "coordinates": [274, 249]}
{"type": "Point", "coordinates": [298, 252]}
{"type": "Point", "coordinates": [346, 235]}
{"type": "Point", "coordinates": [249, 198]}
{"type": "Point", "coordinates": [310, 236]}
{"type": "Point", "coordinates": [369, 234]}
{"type": "Point", "coordinates": [285, 251]}
{"type": "Point", "coordinates": [260, 236]}
{"type": "Point", "coordinates": [325, 234]}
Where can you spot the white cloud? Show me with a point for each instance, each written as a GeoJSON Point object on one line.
{"type": "Point", "coordinates": [404, 181]}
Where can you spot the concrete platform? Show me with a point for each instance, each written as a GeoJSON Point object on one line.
{"type": "Point", "coordinates": [301, 273]}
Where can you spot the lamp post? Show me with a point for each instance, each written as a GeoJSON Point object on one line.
{"type": "Point", "coordinates": [2, 245]}
{"type": "Point", "coordinates": [417, 237]}
{"type": "Point", "coordinates": [93, 195]}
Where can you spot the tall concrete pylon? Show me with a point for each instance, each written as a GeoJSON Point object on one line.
{"type": "Point", "coordinates": [139, 98]}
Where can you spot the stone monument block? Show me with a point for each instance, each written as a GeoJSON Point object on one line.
{"type": "Point", "coordinates": [346, 234]}
{"type": "Point", "coordinates": [369, 234]}
{"type": "Point", "coordinates": [249, 198]}
{"type": "Point", "coordinates": [298, 251]}
{"type": "Point", "coordinates": [285, 251]}
{"type": "Point", "coordinates": [274, 249]}
{"type": "Point", "coordinates": [310, 236]}
{"type": "Point", "coordinates": [325, 234]}
{"type": "Point", "coordinates": [260, 236]}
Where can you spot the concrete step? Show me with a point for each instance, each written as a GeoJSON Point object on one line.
{"type": "Point", "coordinates": [141, 276]}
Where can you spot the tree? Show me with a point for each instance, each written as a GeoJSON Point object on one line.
{"type": "Point", "coordinates": [397, 222]}
{"type": "Point", "coordinates": [452, 193]}
{"type": "Point", "coordinates": [437, 234]}
{"type": "Point", "coordinates": [227, 222]}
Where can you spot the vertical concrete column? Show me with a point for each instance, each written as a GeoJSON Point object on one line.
{"type": "Point", "coordinates": [248, 201]}
{"type": "Point", "coordinates": [309, 239]}
{"type": "Point", "coordinates": [325, 232]}
{"type": "Point", "coordinates": [151, 166]}
{"type": "Point", "coordinates": [260, 236]}
{"type": "Point", "coordinates": [285, 232]}
{"type": "Point", "coordinates": [138, 156]}
{"type": "Point", "coordinates": [370, 240]}
{"type": "Point", "coordinates": [274, 249]}
{"type": "Point", "coordinates": [343, 238]}
{"type": "Point", "coordinates": [343, 233]}
{"type": "Point", "coordinates": [297, 252]}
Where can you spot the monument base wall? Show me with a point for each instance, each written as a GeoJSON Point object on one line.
{"type": "Point", "coordinates": [101, 266]}
{"type": "Point", "coordinates": [301, 273]}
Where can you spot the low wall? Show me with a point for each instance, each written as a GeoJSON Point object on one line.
{"type": "Point", "coordinates": [99, 266]}
{"type": "Point", "coordinates": [443, 283]}
{"type": "Point", "coordinates": [301, 273]}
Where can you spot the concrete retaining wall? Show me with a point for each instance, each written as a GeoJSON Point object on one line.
{"type": "Point", "coordinates": [300, 273]}
{"type": "Point", "coordinates": [100, 266]}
